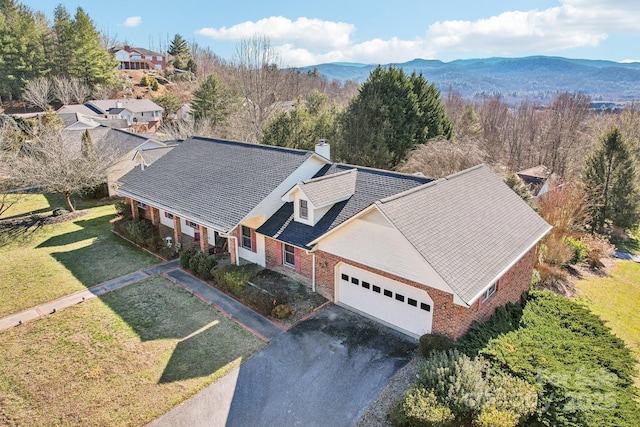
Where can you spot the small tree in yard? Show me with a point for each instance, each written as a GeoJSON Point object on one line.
{"type": "Point", "coordinates": [55, 164]}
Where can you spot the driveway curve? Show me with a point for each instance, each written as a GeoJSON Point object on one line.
{"type": "Point", "coordinates": [324, 371]}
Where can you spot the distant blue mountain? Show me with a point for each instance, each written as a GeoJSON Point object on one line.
{"type": "Point", "coordinates": [533, 77]}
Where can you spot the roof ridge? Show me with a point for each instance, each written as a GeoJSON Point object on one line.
{"type": "Point", "coordinates": [429, 184]}
{"type": "Point", "coordinates": [384, 171]}
{"type": "Point", "coordinates": [333, 175]}
{"type": "Point", "coordinates": [251, 144]}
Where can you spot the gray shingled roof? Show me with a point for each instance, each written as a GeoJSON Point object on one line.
{"type": "Point", "coordinates": [150, 155]}
{"type": "Point", "coordinates": [329, 189]}
{"type": "Point", "coordinates": [133, 105]}
{"type": "Point", "coordinates": [469, 227]}
{"type": "Point", "coordinates": [103, 136]}
{"type": "Point", "coordinates": [371, 185]}
{"type": "Point", "coordinates": [213, 181]}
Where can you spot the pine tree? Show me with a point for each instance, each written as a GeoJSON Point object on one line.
{"type": "Point", "coordinates": [64, 39]}
{"type": "Point", "coordinates": [209, 100]}
{"type": "Point", "coordinates": [392, 113]}
{"type": "Point", "coordinates": [180, 52]}
{"type": "Point", "coordinates": [88, 149]}
{"type": "Point", "coordinates": [610, 177]}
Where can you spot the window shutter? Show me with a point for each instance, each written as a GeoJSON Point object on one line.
{"type": "Point", "coordinates": [480, 302]}
{"type": "Point", "coordinates": [296, 256]}
{"type": "Point", "coordinates": [279, 253]}
{"type": "Point", "coordinates": [253, 241]}
{"type": "Point", "coordinates": [498, 284]}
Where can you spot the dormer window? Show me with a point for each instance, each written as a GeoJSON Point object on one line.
{"type": "Point", "coordinates": [304, 209]}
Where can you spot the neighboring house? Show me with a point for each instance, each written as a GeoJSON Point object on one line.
{"type": "Point", "coordinates": [143, 115]}
{"type": "Point", "coordinates": [539, 179]}
{"type": "Point", "coordinates": [417, 254]}
{"type": "Point", "coordinates": [137, 58]}
{"type": "Point", "coordinates": [126, 144]}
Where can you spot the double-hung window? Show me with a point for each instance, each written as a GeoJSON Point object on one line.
{"type": "Point", "coordinates": [304, 209]}
{"type": "Point", "coordinates": [489, 292]}
{"type": "Point", "coordinates": [246, 238]}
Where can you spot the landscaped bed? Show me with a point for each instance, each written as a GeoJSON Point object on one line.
{"type": "Point", "coordinates": [46, 259]}
{"type": "Point", "coordinates": [122, 359]}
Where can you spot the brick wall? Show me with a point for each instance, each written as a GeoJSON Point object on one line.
{"type": "Point", "coordinates": [449, 319]}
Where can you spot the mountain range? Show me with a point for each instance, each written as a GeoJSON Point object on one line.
{"type": "Point", "coordinates": [534, 77]}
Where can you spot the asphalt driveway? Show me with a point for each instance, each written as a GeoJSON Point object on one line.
{"type": "Point", "coordinates": [324, 371]}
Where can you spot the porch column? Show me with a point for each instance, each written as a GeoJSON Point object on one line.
{"type": "Point", "coordinates": [134, 209]}
{"type": "Point", "coordinates": [204, 240]}
{"type": "Point", "coordinates": [177, 229]}
{"type": "Point", "coordinates": [155, 216]}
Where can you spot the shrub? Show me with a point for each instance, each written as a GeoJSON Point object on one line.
{"type": "Point", "coordinates": [583, 373]}
{"type": "Point", "coordinates": [281, 311]}
{"type": "Point", "coordinates": [185, 257]}
{"type": "Point", "coordinates": [154, 84]}
{"type": "Point", "coordinates": [551, 275]}
{"type": "Point", "coordinates": [205, 265]}
{"type": "Point", "coordinates": [144, 81]}
{"type": "Point", "coordinates": [140, 231]}
{"type": "Point", "coordinates": [579, 249]}
{"type": "Point", "coordinates": [233, 278]}
{"type": "Point", "coordinates": [433, 342]}
{"type": "Point", "coordinates": [420, 408]}
{"type": "Point", "coordinates": [505, 319]}
{"type": "Point", "coordinates": [598, 248]}
{"type": "Point", "coordinates": [491, 417]}
{"type": "Point", "coordinates": [263, 302]}
{"type": "Point", "coordinates": [123, 209]}
{"type": "Point", "coordinates": [555, 251]}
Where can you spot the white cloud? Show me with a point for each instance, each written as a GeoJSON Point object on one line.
{"type": "Point", "coordinates": [132, 21]}
{"type": "Point", "coordinates": [310, 33]}
{"type": "Point", "coordinates": [571, 24]}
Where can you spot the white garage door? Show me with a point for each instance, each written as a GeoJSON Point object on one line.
{"type": "Point", "coordinates": [398, 305]}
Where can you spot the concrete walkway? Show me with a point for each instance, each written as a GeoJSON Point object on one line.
{"type": "Point", "coordinates": [87, 294]}
{"type": "Point", "coordinates": [257, 324]}
{"type": "Point", "coordinates": [248, 318]}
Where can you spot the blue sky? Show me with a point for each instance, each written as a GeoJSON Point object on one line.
{"type": "Point", "coordinates": [307, 33]}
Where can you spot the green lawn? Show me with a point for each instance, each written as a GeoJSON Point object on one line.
{"type": "Point", "coordinates": [122, 359]}
{"type": "Point", "coordinates": [54, 260]}
{"type": "Point", "coordinates": [616, 299]}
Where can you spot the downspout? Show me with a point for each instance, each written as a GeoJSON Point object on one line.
{"type": "Point", "coordinates": [313, 269]}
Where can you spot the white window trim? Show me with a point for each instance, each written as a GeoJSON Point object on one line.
{"type": "Point", "coordinates": [142, 205]}
{"type": "Point", "coordinates": [243, 236]}
{"type": "Point", "coordinates": [306, 208]}
{"type": "Point", "coordinates": [284, 255]}
{"type": "Point", "coordinates": [191, 224]}
{"type": "Point", "coordinates": [491, 291]}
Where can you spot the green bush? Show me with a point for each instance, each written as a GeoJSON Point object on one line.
{"type": "Point", "coordinates": [123, 209]}
{"type": "Point", "coordinates": [491, 417]}
{"type": "Point", "coordinates": [583, 373]}
{"type": "Point", "coordinates": [505, 319]}
{"type": "Point", "coordinates": [433, 342]}
{"type": "Point", "coordinates": [205, 265]}
{"type": "Point", "coordinates": [140, 231]}
{"type": "Point", "coordinates": [234, 278]}
{"type": "Point", "coordinates": [185, 257]}
{"type": "Point", "coordinates": [420, 408]}
{"type": "Point", "coordinates": [144, 81]}
{"type": "Point", "coordinates": [154, 84]}
{"type": "Point", "coordinates": [579, 249]}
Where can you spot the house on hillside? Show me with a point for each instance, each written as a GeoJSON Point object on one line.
{"type": "Point", "coordinates": [137, 58]}
{"type": "Point", "coordinates": [416, 254]}
{"type": "Point", "coordinates": [539, 179]}
{"type": "Point", "coordinates": [142, 115]}
{"type": "Point", "coordinates": [127, 144]}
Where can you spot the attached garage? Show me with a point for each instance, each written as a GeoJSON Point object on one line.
{"type": "Point", "coordinates": [400, 306]}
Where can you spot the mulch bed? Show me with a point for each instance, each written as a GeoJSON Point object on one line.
{"type": "Point", "coordinates": [281, 288]}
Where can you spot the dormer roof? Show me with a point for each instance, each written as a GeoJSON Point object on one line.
{"type": "Point", "coordinates": [329, 189]}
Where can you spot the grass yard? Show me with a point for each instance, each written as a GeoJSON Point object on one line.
{"type": "Point", "coordinates": [122, 359]}
{"type": "Point", "coordinates": [58, 259]}
{"type": "Point", "coordinates": [616, 299]}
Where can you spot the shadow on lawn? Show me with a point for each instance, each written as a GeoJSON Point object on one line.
{"type": "Point", "coordinates": [156, 309]}
{"type": "Point", "coordinates": [91, 228]}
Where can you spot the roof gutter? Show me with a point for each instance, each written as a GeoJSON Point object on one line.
{"type": "Point", "coordinates": [508, 267]}
{"type": "Point", "coordinates": [171, 211]}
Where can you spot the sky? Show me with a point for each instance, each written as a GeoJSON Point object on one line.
{"type": "Point", "coordinates": [376, 32]}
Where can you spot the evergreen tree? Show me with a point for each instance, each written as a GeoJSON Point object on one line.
{"type": "Point", "coordinates": [88, 150]}
{"type": "Point", "coordinates": [22, 56]}
{"type": "Point", "coordinates": [209, 100]}
{"type": "Point", "coordinates": [64, 40]}
{"type": "Point", "coordinates": [610, 177]}
{"type": "Point", "coordinates": [392, 113]}
{"type": "Point", "coordinates": [91, 63]}
{"type": "Point", "coordinates": [179, 49]}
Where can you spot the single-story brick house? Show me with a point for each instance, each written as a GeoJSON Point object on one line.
{"type": "Point", "coordinates": [417, 254]}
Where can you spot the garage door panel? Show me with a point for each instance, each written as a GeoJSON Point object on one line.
{"type": "Point", "coordinates": [397, 304]}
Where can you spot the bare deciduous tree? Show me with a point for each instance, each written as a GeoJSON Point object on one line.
{"type": "Point", "coordinates": [38, 92]}
{"type": "Point", "coordinates": [70, 90]}
{"type": "Point", "coordinates": [441, 157]}
{"type": "Point", "coordinates": [257, 65]}
{"type": "Point", "coordinates": [55, 164]}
